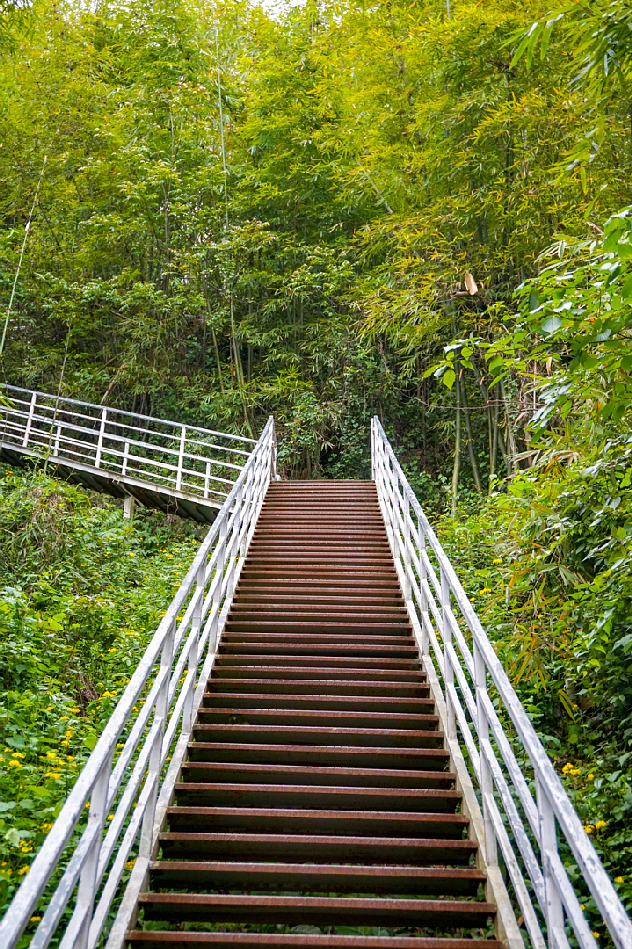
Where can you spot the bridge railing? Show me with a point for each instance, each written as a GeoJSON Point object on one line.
{"type": "Point", "coordinates": [179, 458]}
{"type": "Point", "coordinates": [525, 808]}
{"type": "Point", "coordinates": [128, 779]}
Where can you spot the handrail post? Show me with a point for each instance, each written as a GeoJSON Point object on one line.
{"type": "Point", "coordinates": [448, 671]}
{"type": "Point", "coordinates": [216, 603]}
{"type": "Point", "coordinates": [407, 567]}
{"type": "Point", "coordinates": [423, 580]}
{"type": "Point", "coordinates": [153, 771]}
{"type": "Point", "coordinates": [486, 782]}
{"type": "Point", "coordinates": [97, 460]}
{"type": "Point", "coordinates": [192, 659]}
{"type": "Point", "coordinates": [97, 814]}
{"type": "Point", "coordinates": [207, 478]}
{"type": "Point", "coordinates": [373, 438]}
{"type": "Point", "coordinates": [57, 440]}
{"type": "Point", "coordinates": [553, 909]}
{"type": "Point", "coordinates": [29, 421]}
{"type": "Point", "coordinates": [183, 437]}
{"type": "Point", "coordinates": [125, 458]}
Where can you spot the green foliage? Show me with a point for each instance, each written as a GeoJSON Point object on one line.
{"type": "Point", "coordinates": [81, 592]}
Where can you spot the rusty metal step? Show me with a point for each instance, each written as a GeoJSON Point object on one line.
{"type": "Point", "coordinates": [317, 878]}
{"type": "Point", "coordinates": [313, 910]}
{"type": "Point", "coordinates": [325, 622]}
{"type": "Point", "coordinates": [331, 703]}
{"type": "Point", "coordinates": [277, 820]}
{"type": "Point", "coordinates": [314, 625]}
{"type": "Point", "coordinates": [295, 716]}
{"type": "Point", "coordinates": [313, 848]}
{"type": "Point", "coordinates": [349, 663]}
{"type": "Point", "coordinates": [199, 794]}
{"type": "Point", "coordinates": [153, 939]}
{"type": "Point", "coordinates": [430, 759]}
{"type": "Point", "coordinates": [318, 735]}
{"type": "Point", "coordinates": [323, 777]}
{"type": "Point", "coordinates": [242, 642]}
{"type": "Point", "coordinates": [321, 687]}
{"type": "Point", "coordinates": [308, 668]}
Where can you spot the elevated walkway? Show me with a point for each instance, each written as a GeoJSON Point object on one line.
{"type": "Point", "coordinates": [178, 469]}
{"type": "Point", "coordinates": [319, 749]}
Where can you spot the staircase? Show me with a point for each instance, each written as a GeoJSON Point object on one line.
{"type": "Point", "coordinates": [317, 791]}
{"type": "Point", "coordinates": [319, 748]}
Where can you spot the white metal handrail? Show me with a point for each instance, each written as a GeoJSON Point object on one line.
{"type": "Point", "coordinates": [462, 665]}
{"type": "Point", "coordinates": [132, 784]}
{"type": "Point", "coordinates": [183, 459]}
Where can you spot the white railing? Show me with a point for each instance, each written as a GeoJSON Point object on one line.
{"type": "Point", "coordinates": [522, 811]}
{"type": "Point", "coordinates": [179, 459]}
{"type": "Point", "coordinates": [129, 777]}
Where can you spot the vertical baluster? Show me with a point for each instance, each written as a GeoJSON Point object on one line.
{"type": "Point", "coordinates": [79, 926]}
{"type": "Point", "coordinates": [407, 567]}
{"type": "Point", "coordinates": [553, 909]}
{"type": "Point", "coordinates": [160, 717]}
{"type": "Point", "coordinates": [373, 433]}
{"type": "Point", "coordinates": [234, 541]}
{"type": "Point", "coordinates": [183, 438]}
{"type": "Point", "coordinates": [207, 479]}
{"type": "Point", "coordinates": [57, 441]}
{"type": "Point", "coordinates": [29, 421]}
{"type": "Point", "coordinates": [448, 671]}
{"type": "Point", "coordinates": [125, 458]}
{"type": "Point", "coordinates": [394, 500]}
{"type": "Point", "coordinates": [97, 460]}
{"type": "Point", "coordinates": [219, 583]}
{"type": "Point", "coordinates": [486, 782]}
{"type": "Point", "coordinates": [192, 661]}
{"type": "Point", "coordinates": [423, 578]}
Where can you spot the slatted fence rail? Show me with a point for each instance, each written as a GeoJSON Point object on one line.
{"type": "Point", "coordinates": [161, 463]}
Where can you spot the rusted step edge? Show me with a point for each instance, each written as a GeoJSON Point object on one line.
{"type": "Point", "coordinates": [343, 755]}
{"type": "Point", "coordinates": [245, 637]}
{"type": "Point", "coordinates": [295, 715]}
{"type": "Point", "coordinates": [329, 911]}
{"type": "Point", "coordinates": [330, 703]}
{"type": "Point", "coordinates": [196, 794]}
{"type": "Point", "coordinates": [300, 602]}
{"type": "Point", "coordinates": [315, 848]}
{"type": "Point", "coordinates": [314, 585]}
{"type": "Point", "coordinates": [317, 776]}
{"type": "Point", "coordinates": [317, 877]}
{"type": "Point", "coordinates": [318, 687]}
{"type": "Point", "coordinates": [368, 738]}
{"type": "Point", "coordinates": [302, 669]}
{"type": "Point", "coordinates": [232, 940]}
{"type": "Point", "coordinates": [362, 823]}
{"type": "Point", "coordinates": [343, 654]}
{"type": "Point", "coordinates": [349, 659]}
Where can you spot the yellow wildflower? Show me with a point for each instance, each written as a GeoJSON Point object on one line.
{"type": "Point", "coordinates": [619, 880]}
{"type": "Point", "coordinates": [18, 754]}
{"type": "Point", "coordinates": [600, 824]}
{"type": "Point", "coordinates": [589, 828]}
{"type": "Point", "coordinates": [591, 777]}
{"type": "Point", "coordinates": [15, 764]}
{"type": "Point", "coordinates": [25, 869]}
{"type": "Point", "coordinates": [35, 919]}
{"type": "Point", "coordinates": [130, 864]}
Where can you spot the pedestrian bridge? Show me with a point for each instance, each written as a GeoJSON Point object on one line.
{"type": "Point", "coordinates": [319, 748]}
{"type": "Point", "coordinates": [180, 469]}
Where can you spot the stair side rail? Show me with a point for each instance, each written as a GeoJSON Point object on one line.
{"type": "Point", "coordinates": [175, 457]}
{"type": "Point", "coordinates": [458, 655]}
{"type": "Point", "coordinates": [129, 777]}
